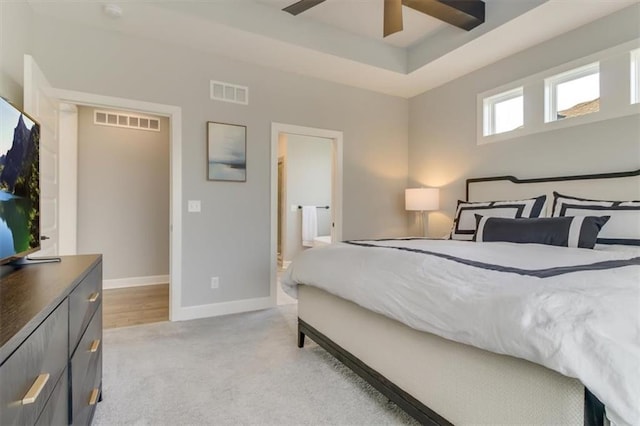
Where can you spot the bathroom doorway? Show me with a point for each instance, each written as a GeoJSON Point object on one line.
{"type": "Point", "coordinates": [306, 195]}
{"type": "Point", "coordinates": [304, 192]}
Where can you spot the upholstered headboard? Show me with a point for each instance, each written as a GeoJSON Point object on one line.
{"type": "Point", "coordinates": [615, 186]}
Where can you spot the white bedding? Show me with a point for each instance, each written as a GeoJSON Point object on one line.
{"type": "Point", "coordinates": [524, 300]}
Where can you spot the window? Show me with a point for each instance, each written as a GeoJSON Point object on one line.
{"type": "Point", "coordinates": [635, 76]}
{"type": "Point", "coordinates": [572, 93]}
{"type": "Point", "coordinates": [503, 112]}
{"type": "Point", "coordinates": [606, 83]}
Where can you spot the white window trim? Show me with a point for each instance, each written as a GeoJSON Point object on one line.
{"type": "Point", "coordinates": [551, 88]}
{"type": "Point", "coordinates": [635, 76]}
{"type": "Point", "coordinates": [489, 103]}
{"type": "Point", "coordinates": [492, 96]}
{"type": "Point", "coordinates": [534, 105]}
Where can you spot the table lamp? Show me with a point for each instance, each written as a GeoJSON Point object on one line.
{"type": "Point", "coordinates": [422, 200]}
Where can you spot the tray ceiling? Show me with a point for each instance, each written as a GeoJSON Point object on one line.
{"type": "Point", "coordinates": [341, 40]}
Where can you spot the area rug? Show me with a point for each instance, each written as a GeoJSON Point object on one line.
{"type": "Point", "coordinates": [242, 369]}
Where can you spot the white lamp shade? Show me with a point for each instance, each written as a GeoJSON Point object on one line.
{"type": "Point", "coordinates": [422, 199]}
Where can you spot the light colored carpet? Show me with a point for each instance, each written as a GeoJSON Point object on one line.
{"type": "Point", "coordinates": [237, 369]}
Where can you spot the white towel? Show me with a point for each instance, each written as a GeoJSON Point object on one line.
{"type": "Point", "coordinates": [309, 225]}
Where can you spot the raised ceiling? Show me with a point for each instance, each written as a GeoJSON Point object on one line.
{"type": "Point", "coordinates": [341, 40]}
{"type": "Point", "coordinates": [364, 18]}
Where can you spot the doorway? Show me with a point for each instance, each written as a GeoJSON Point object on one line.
{"type": "Point", "coordinates": [306, 180]}
{"type": "Point", "coordinates": [175, 198]}
{"type": "Point", "coordinates": [123, 210]}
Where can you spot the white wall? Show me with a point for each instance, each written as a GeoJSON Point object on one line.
{"type": "Point", "coordinates": [231, 237]}
{"type": "Point", "coordinates": [308, 170]}
{"type": "Point", "coordinates": [123, 197]}
{"type": "Point", "coordinates": [442, 131]}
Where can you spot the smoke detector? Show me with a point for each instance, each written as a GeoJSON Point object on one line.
{"type": "Point", "coordinates": [112, 10]}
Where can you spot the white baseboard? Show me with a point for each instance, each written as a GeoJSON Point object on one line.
{"type": "Point", "coordinates": [135, 281]}
{"type": "Point", "coordinates": [224, 308]}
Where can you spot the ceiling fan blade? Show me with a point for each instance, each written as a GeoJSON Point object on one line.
{"type": "Point", "coordinates": [392, 17]}
{"type": "Point", "coordinates": [465, 14]}
{"type": "Point", "coordinates": [301, 6]}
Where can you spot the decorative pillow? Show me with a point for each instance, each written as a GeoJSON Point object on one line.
{"type": "Point", "coordinates": [622, 228]}
{"type": "Point", "coordinates": [579, 231]}
{"type": "Point", "coordinates": [464, 224]}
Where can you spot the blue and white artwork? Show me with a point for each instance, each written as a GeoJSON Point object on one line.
{"type": "Point", "coordinates": [227, 146]}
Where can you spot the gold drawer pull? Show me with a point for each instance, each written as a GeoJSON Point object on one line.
{"type": "Point", "coordinates": [94, 296]}
{"type": "Point", "coordinates": [94, 396]}
{"type": "Point", "coordinates": [35, 389]}
{"type": "Point", "coordinates": [94, 346]}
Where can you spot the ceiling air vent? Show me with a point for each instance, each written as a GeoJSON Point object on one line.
{"type": "Point", "coordinates": [226, 92]}
{"type": "Point", "coordinates": [129, 121]}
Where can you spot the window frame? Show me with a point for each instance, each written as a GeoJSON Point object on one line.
{"type": "Point", "coordinates": [614, 65]}
{"type": "Point", "coordinates": [489, 111]}
{"type": "Point", "coordinates": [551, 88]}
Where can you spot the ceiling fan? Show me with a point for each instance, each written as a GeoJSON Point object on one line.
{"type": "Point", "coordinates": [465, 14]}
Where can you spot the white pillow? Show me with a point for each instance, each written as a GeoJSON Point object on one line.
{"type": "Point", "coordinates": [464, 223]}
{"type": "Point", "coordinates": [623, 226]}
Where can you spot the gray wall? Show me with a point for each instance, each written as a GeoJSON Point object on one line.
{"type": "Point", "coordinates": [308, 174]}
{"type": "Point", "coordinates": [231, 237]}
{"type": "Point", "coordinates": [15, 41]}
{"type": "Point", "coordinates": [442, 129]}
{"type": "Point", "coordinates": [123, 197]}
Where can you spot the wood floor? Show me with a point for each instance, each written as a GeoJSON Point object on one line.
{"type": "Point", "coordinates": [123, 307]}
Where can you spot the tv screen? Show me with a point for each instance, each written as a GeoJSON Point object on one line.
{"type": "Point", "coordinates": [19, 183]}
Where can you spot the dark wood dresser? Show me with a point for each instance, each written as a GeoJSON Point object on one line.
{"type": "Point", "coordinates": [50, 342]}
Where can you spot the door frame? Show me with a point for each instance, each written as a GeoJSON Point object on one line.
{"type": "Point", "coordinates": [281, 203]}
{"type": "Point", "coordinates": [43, 107]}
{"type": "Point", "coordinates": [336, 138]}
{"type": "Point", "coordinates": [174, 113]}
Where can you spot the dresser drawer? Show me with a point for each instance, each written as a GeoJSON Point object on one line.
{"type": "Point", "coordinates": [31, 373]}
{"type": "Point", "coordinates": [86, 371]}
{"type": "Point", "coordinates": [56, 412]}
{"type": "Point", "coordinates": [83, 303]}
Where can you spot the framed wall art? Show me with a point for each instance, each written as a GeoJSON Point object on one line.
{"type": "Point", "coordinates": [226, 152]}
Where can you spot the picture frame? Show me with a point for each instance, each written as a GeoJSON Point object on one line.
{"type": "Point", "coordinates": [226, 152]}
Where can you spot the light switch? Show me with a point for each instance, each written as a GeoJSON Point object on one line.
{"type": "Point", "coordinates": [193, 206]}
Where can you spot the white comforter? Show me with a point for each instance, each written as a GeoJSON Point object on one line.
{"type": "Point", "coordinates": [581, 323]}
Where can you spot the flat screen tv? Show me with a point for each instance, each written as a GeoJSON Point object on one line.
{"type": "Point", "coordinates": [19, 183]}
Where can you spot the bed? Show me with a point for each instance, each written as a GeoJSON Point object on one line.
{"type": "Point", "coordinates": [460, 365]}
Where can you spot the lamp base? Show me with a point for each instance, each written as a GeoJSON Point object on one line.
{"type": "Point", "coordinates": [425, 223]}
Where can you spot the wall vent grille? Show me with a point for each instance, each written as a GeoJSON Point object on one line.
{"type": "Point", "coordinates": [226, 92]}
{"type": "Point", "coordinates": [129, 121]}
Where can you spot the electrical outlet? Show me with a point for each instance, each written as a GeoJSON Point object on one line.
{"type": "Point", "coordinates": [215, 282]}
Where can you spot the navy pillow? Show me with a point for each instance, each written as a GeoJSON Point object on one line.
{"type": "Point", "coordinates": [568, 231]}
